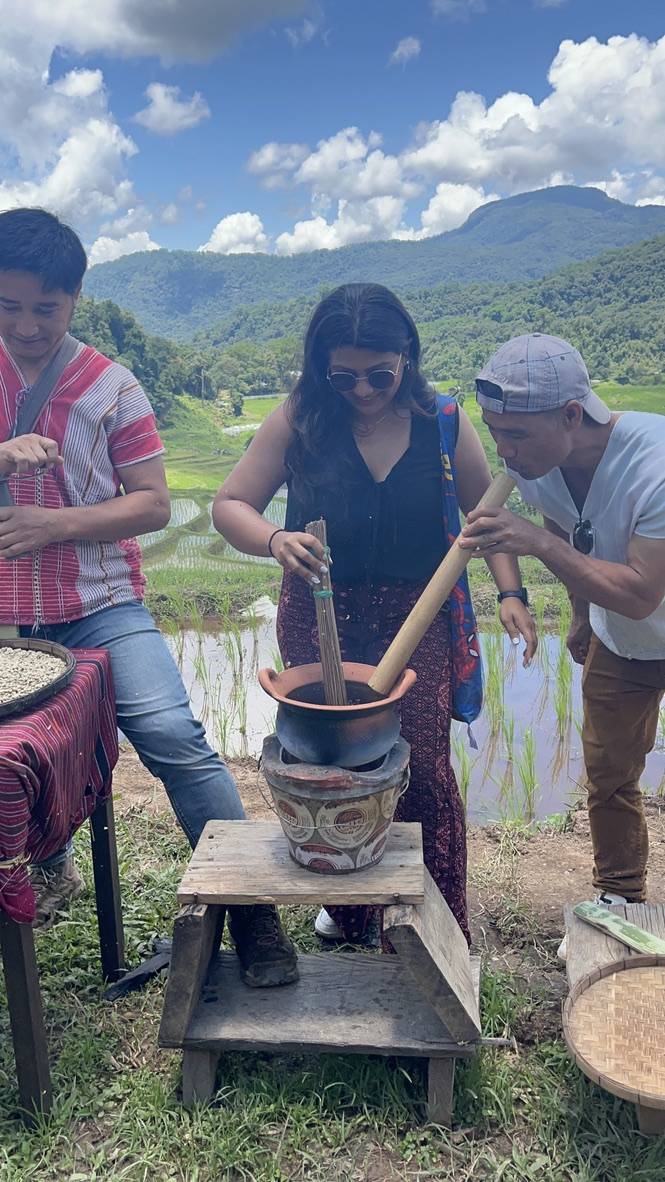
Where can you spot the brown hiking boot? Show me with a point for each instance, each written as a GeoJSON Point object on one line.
{"type": "Point", "coordinates": [54, 888]}
{"type": "Point", "coordinates": [267, 956]}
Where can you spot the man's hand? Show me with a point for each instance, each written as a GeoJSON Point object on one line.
{"type": "Point", "coordinates": [25, 528]}
{"type": "Point", "coordinates": [578, 639]}
{"type": "Point", "coordinates": [28, 453]}
{"type": "Point", "coordinates": [498, 531]}
{"type": "Point", "coordinates": [518, 621]}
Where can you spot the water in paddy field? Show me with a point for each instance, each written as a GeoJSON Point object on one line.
{"type": "Point", "coordinates": [528, 762]}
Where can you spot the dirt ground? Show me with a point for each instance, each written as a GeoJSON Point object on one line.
{"type": "Point", "coordinates": [533, 874]}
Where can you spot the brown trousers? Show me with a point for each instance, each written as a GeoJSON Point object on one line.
{"type": "Point", "coordinates": [621, 704]}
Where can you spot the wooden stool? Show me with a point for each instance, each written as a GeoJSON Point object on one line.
{"type": "Point", "coordinates": [422, 1002]}
{"type": "Point", "coordinates": [589, 949]}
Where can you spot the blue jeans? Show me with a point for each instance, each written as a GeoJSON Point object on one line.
{"type": "Point", "coordinates": [154, 714]}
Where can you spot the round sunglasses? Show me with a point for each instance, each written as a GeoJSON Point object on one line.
{"type": "Point", "coordinates": [346, 380]}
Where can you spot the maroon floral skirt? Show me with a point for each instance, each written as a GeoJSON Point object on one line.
{"type": "Point", "coordinates": [367, 619]}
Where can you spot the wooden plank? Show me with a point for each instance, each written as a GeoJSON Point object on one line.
{"type": "Point", "coordinates": [196, 935]}
{"type": "Point", "coordinates": [440, 1085]}
{"type": "Point", "coordinates": [588, 949]}
{"type": "Point", "coordinates": [26, 1016]}
{"type": "Point", "coordinates": [346, 1002]}
{"type": "Point", "coordinates": [651, 1121]}
{"type": "Point", "coordinates": [107, 891]}
{"type": "Point", "coordinates": [621, 929]}
{"type": "Point", "coordinates": [249, 862]}
{"type": "Point", "coordinates": [199, 1072]}
{"type": "Point", "coordinates": [432, 947]}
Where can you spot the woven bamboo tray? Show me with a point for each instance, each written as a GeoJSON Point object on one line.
{"type": "Point", "coordinates": [613, 1023]}
{"type": "Point", "coordinates": [29, 701]}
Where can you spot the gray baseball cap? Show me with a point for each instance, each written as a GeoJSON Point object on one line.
{"type": "Point", "coordinates": [537, 372]}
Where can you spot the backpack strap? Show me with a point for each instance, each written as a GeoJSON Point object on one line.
{"type": "Point", "coordinates": [37, 397]}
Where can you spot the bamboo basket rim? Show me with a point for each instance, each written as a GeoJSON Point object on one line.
{"type": "Point", "coordinates": [608, 1083]}
{"type": "Point", "coordinates": [26, 702]}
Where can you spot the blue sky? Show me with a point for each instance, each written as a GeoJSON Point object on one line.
{"type": "Point", "coordinates": [285, 125]}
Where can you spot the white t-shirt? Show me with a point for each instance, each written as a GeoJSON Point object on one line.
{"type": "Point", "coordinates": [626, 497]}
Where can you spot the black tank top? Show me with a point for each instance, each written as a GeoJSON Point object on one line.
{"type": "Point", "coordinates": [387, 530]}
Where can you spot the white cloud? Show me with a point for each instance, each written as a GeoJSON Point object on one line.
{"type": "Point", "coordinates": [238, 233]}
{"type": "Point", "coordinates": [60, 143]}
{"type": "Point", "coordinates": [83, 183]}
{"type": "Point", "coordinates": [79, 83]}
{"type": "Point", "coordinates": [356, 221]}
{"type": "Point", "coordinates": [138, 217]}
{"type": "Point", "coordinates": [604, 113]}
{"type": "Point", "coordinates": [168, 113]}
{"type": "Point", "coordinates": [405, 51]}
{"type": "Point", "coordinates": [307, 30]}
{"type": "Point", "coordinates": [169, 29]}
{"type": "Point", "coordinates": [273, 162]}
{"type": "Point", "coordinates": [170, 214]}
{"type": "Point", "coordinates": [104, 249]}
{"type": "Point", "coordinates": [447, 209]}
{"type": "Point", "coordinates": [349, 166]}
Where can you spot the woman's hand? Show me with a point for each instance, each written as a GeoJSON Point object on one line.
{"type": "Point", "coordinates": [28, 453]}
{"type": "Point", "coordinates": [299, 554]}
{"type": "Point", "coordinates": [518, 621]}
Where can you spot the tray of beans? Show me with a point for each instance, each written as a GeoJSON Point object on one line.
{"type": "Point", "coordinates": [30, 672]}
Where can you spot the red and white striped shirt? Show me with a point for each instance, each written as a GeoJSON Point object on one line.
{"type": "Point", "coordinates": [103, 422]}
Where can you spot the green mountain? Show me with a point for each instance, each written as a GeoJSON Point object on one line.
{"type": "Point", "coordinates": [612, 307]}
{"type": "Point", "coordinates": [180, 293]}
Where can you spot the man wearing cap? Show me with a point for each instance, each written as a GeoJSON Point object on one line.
{"type": "Point", "coordinates": [598, 479]}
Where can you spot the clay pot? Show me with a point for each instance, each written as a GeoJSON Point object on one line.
{"type": "Point", "coordinates": [335, 820]}
{"type": "Point", "coordinates": [346, 736]}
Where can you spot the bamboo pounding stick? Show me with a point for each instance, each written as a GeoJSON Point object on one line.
{"type": "Point", "coordinates": [433, 597]}
{"type": "Point", "coordinates": [334, 685]}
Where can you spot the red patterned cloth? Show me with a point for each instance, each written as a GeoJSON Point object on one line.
{"type": "Point", "coordinates": [56, 764]}
{"type": "Point", "coordinates": [367, 619]}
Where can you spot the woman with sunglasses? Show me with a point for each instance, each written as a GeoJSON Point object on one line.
{"type": "Point", "coordinates": [364, 442]}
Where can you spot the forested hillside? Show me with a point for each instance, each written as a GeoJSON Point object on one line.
{"type": "Point", "coordinates": [166, 369]}
{"type": "Point", "coordinates": [179, 293]}
{"type": "Point", "coordinates": [612, 308]}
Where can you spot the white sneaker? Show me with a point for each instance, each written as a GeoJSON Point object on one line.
{"type": "Point", "coordinates": [603, 899]}
{"type": "Point", "coordinates": [325, 926]}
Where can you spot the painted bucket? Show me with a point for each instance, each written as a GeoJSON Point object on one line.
{"type": "Point", "coordinates": [335, 820]}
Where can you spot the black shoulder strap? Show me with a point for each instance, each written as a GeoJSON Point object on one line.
{"type": "Point", "coordinates": [41, 391]}
{"type": "Point", "coordinates": [35, 401]}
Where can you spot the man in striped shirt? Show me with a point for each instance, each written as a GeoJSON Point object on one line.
{"type": "Point", "coordinates": [85, 482]}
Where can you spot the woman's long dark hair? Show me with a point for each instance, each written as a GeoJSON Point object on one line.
{"type": "Point", "coordinates": [362, 316]}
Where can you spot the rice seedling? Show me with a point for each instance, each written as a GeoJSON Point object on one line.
{"type": "Point", "coordinates": [526, 770]}
{"type": "Point", "coordinates": [494, 680]}
{"type": "Point", "coordinates": [508, 733]}
{"type": "Point", "coordinates": [463, 766]}
{"type": "Point", "coordinates": [563, 692]}
{"type": "Point", "coordinates": [276, 660]}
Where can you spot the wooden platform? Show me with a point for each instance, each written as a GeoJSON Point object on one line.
{"type": "Point", "coordinates": [227, 866]}
{"type": "Point", "coordinates": [421, 1002]}
{"type": "Point", "coordinates": [588, 949]}
{"type": "Point", "coordinates": [343, 1002]}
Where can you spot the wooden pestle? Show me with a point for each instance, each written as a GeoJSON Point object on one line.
{"type": "Point", "coordinates": [433, 597]}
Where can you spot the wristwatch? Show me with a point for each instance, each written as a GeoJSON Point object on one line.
{"type": "Point", "coordinates": [521, 594]}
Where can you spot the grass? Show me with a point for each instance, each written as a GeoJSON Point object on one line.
{"type": "Point", "coordinates": [523, 1113]}
{"type": "Point", "coordinates": [175, 593]}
